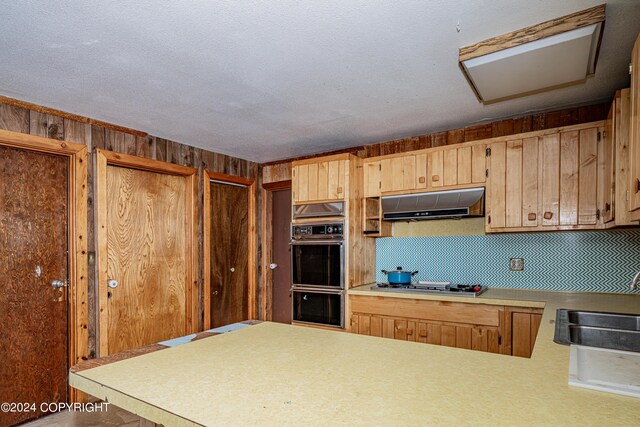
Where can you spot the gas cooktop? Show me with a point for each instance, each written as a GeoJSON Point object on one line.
{"type": "Point", "coordinates": [443, 288]}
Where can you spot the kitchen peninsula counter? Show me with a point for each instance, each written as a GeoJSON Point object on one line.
{"type": "Point", "coordinates": [274, 374]}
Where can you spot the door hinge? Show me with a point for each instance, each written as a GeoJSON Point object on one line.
{"type": "Point", "coordinates": [489, 219]}
{"type": "Point", "coordinates": [488, 152]}
{"type": "Point", "coordinates": [486, 173]}
{"type": "Point", "coordinates": [597, 214]}
{"type": "Point", "coordinates": [630, 69]}
{"type": "Point", "coordinates": [499, 339]}
{"type": "Point", "coordinates": [380, 184]}
{"type": "Point", "coordinates": [599, 136]}
{"type": "Point", "coordinates": [379, 166]}
{"type": "Point", "coordinates": [628, 195]}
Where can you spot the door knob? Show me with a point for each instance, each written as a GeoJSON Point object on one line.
{"type": "Point", "coordinates": [57, 283]}
{"type": "Point", "coordinates": [232, 269]}
{"type": "Point", "coordinates": [215, 292]}
{"type": "Point", "coordinates": [273, 266]}
{"type": "Point", "coordinates": [112, 283]}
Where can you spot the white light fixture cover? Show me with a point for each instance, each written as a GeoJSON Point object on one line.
{"type": "Point", "coordinates": [546, 63]}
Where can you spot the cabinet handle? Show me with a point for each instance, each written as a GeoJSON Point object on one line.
{"type": "Point", "coordinates": [607, 207]}
{"type": "Point", "coordinates": [548, 215]}
{"type": "Point", "coordinates": [339, 190]}
{"type": "Point", "coordinates": [421, 180]}
{"type": "Point", "coordinates": [435, 178]}
{"type": "Point", "coordinates": [409, 331]}
{"type": "Point", "coordinates": [422, 333]}
{"type": "Point", "coordinates": [532, 217]}
{"type": "Point", "coordinates": [637, 185]}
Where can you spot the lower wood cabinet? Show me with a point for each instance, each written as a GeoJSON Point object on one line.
{"type": "Point", "coordinates": [482, 327]}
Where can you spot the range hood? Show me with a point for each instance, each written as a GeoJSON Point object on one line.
{"type": "Point", "coordinates": [434, 205]}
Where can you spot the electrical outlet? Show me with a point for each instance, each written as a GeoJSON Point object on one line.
{"type": "Point", "coordinates": [516, 264]}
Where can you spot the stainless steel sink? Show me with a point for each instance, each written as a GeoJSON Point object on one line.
{"type": "Point", "coordinates": [597, 329]}
{"type": "Point", "coordinates": [628, 322]}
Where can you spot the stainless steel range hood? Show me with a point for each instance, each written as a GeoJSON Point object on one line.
{"type": "Point", "coordinates": [434, 205]}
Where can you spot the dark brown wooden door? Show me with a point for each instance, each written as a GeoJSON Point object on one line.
{"type": "Point", "coordinates": [33, 253]}
{"type": "Point", "coordinates": [281, 256]}
{"type": "Point", "coordinates": [229, 253]}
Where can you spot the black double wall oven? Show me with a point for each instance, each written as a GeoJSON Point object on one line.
{"type": "Point", "coordinates": [317, 273]}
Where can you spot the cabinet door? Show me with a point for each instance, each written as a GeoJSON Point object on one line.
{"type": "Point", "coordinates": [634, 136]}
{"type": "Point", "coordinates": [478, 163]}
{"type": "Point", "coordinates": [450, 167]}
{"type": "Point", "coordinates": [524, 329]}
{"type": "Point", "coordinates": [421, 171]}
{"type": "Point", "coordinates": [606, 167]}
{"type": "Point", "coordinates": [336, 179]}
{"type": "Point", "coordinates": [435, 168]}
{"type": "Point", "coordinates": [372, 184]}
{"type": "Point", "coordinates": [549, 163]}
{"type": "Point", "coordinates": [464, 166]}
{"type": "Point", "coordinates": [300, 183]}
{"type": "Point", "coordinates": [323, 181]}
{"type": "Point", "coordinates": [588, 176]}
{"type": "Point", "coordinates": [496, 188]}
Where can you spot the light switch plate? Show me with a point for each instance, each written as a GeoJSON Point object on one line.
{"type": "Point", "coordinates": [516, 264]}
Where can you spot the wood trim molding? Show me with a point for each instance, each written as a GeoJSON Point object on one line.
{"type": "Point", "coordinates": [77, 301]}
{"type": "Point", "coordinates": [207, 177]}
{"type": "Point", "coordinates": [105, 158]}
{"type": "Point", "coordinates": [276, 186]}
{"type": "Point", "coordinates": [549, 28]}
{"type": "Point", "coordinates": [141, 163]}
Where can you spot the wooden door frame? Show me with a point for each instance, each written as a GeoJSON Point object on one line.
{"type": "Point", "coordinates": [106, 158]}
{"type": "Point", "coordinates": [251, 243]}
{"type": "Point", "coordinates": [77, 294]}
{"type": "Point", "coordinates": [266, 307]}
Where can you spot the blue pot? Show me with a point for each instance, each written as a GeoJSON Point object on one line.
{"type": "Point", "coordinates": [399, 276]}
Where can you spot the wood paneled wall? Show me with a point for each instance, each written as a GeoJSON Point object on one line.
{"type": "Point", "coordinates": [18, 117]}
{"type": "Point", "coordinates": [281, 170]}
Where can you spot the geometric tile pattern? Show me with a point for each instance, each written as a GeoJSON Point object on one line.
{"type": "Point", "coordinates": [597, 261]}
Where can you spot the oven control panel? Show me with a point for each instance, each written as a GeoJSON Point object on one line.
{"type": "Point", "coordinates": [332, 230]}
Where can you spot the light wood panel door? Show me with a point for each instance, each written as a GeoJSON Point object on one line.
{"type": "Point", "coordinates": [450, 167]}
{"type": "Point", "coordinates": [403, 172]}
{"type": "Point", "coordinates": [321, 180]}
{"type": "Point", "coordinates": [148, 269]}
{"type": "Point", "coordinates": [33, 252]}
{"type": "Point", "coordinates": [372, 179]}
{"type": "Point", "coordinates": [634, 136]}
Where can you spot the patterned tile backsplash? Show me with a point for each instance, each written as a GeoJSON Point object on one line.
{"type": "Point", "coordinates": [583, 261]}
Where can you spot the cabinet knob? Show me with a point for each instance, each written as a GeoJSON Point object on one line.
{"type": "Point", "coordinates": [421, 180]}
{"type": "Point", "coordinates": [637, 186]}
{"type": "Point", "coordinates": [548, 215]}
{"type": "Point", "coordinates": [435, 178]}
{"type": "Point", "coordinates": [532, 217]}
{"type": "Point", "coordinates": [339, 190]}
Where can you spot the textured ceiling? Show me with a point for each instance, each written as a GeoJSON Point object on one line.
{"type": "Point", "coordinates": [267, 80]}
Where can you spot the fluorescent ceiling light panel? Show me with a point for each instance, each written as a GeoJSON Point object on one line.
{"type": "Point", "coordinates": [546, 63]}
{"type": "Point", "coordinates": [553, 54]}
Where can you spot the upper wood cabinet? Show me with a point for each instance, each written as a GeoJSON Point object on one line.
{"type": "Point", "coordinates": [322, 179]}
{"type": "Point", "coordinates": [430, 169]}
{"type": "Point", "coordinates": [546, 182]}
{"type": "Point", "coordinates": [634, 136]}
